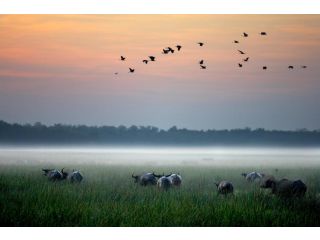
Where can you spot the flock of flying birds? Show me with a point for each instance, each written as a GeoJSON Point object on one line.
{"type": "Point", "coordinates": [170, 50]}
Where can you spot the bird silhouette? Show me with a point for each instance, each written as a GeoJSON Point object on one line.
{"type": "Point", "coordinates": [203, 67]}
{"type": "Point", "coordinates": [115, 73]}
{"type": "Point", "coordinates": [245, 34]}
{"type": "Point", "coordinates": [290, 67]}
{"type": "Point", "coordinates": [165, 51]}
{"type": "Point", "coordinates": [178, 47]}
{"type": "Point", "coordinates": [235, 41]}
{"type": "Point", "coordinates": [303, 66]}
{"type": "Point", "coordinates": [263, 33]}
{"type": "Point", "coordinates": [152, 58]}
{"type": "Point", "coordinates": [239, 64]}
{"type": "Point", "coordinates": [241, 52]}
{"type": "Point", "coordinates": [122, 58]}
{"type": "Point", "coordinates": [145, 61]}
{"type": "Point", "coordinates": [131, 70]}
{"type": "Point", "coordinates": [264, 67]}
{"type": "Point", "coordinates": [201, 62]}
{"type": "Point", "coordinates": [170, 49]}
{"type": "Point", "coordinates": [246, 59]}
{"type": "Point", "coordinates": [200, 44]}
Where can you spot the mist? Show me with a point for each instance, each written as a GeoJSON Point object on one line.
{"type": "Point", "coordinates": [161, 156]}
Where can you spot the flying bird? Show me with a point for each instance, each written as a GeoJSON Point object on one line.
{"type": "Point", "coordinates": [245, 34]}
{"type": "Point", "coordinates": [152, 58]}
{"type": "Point", "coordinates": [264, 67]}
{"type": "Point", "coordinates": [122, 58]}
{"type": "Point", "coordinates": [170, 49]}
{"type": "Point", "coordinates": [145, 61]}
{"type": "Point", "coordinates": [303, 66]}
{"type": "Point", "coordinates": [290, 67]}
{"type": "Point", "coordinates": [165, 51]}
{"type": "Point", "coordinates": [241, 52]}
{"type": "Point", "coordinates": [131, 70]}
{"type": "Point", "coordinates": [200, 44]}
{"type": "Point", "coordinates": [179, 47]}
{"type": "Point", "coordinates": [115, 73]}
{"type": "Point", "coordinates": [246, 59]}
{"type": "Point", "coordinates": [201, 62]}
{"type": "Point", "coordinates": [239, 64]}
{"type": "Point", "coordinates": [263, 33]}
{"type": "Point", "coordinates": [235, 41]}
{"type": "Point", "coordinates": [203, 67]}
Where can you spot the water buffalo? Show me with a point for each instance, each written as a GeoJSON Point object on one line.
{"type": "Point", "coordinates": [164, 183]}
{"type": "Point", "coordinates": [286, 188]}
{"type": "Point", "coordinates": [251, 177]}
{"type": "Point", "coordinates": [75, 176]}
{"type": "Point", "coordinates": [145, 179]}
{"type": "Point", "coordinates": [224, 187]}
{"type": "Point", "coordinates": [175, 179]}
{"type": "Point", "coordinates": [265, 182]}
{"type": "Point", "coordinates": [54, 174]}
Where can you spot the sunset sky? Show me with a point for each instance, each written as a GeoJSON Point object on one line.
{"type": "Point", "coordinates": [60, 69]}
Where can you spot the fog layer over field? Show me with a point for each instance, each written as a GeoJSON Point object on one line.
{"type": "Point", "coordinates": [233, 157]}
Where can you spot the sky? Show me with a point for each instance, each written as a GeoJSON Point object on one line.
{"type": "Point", "coordinates": [60, 69]}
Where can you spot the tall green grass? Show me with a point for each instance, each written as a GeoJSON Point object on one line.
{"type": "Point", "coordinates": [108, 197]}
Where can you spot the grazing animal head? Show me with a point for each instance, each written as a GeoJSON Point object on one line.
{"type": "Point", "coordinates": [243, 174]}
{"type": "Point", "coordinates": [135, 177]}
{"type": "Point", "coordinates": [46, 171]}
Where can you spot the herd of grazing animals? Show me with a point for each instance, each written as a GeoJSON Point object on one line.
{"type": "Point", "coordinates": [201, 63]}
{"type": "Point", "coordinates": [56, 175]}
{"type": "Point", "coordinates": [283, 188]}
{"type": "Point", "coordinates": [162, 181]}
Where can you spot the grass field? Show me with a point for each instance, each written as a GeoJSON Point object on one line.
{"type": "Point", "coordinates": [108, 197]}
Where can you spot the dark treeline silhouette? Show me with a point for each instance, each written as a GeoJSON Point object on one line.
{"type": "Point", "coordinates": [59, 134]}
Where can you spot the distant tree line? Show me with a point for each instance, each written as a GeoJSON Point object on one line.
{"type": "Point", "coordinates": [149, 135]}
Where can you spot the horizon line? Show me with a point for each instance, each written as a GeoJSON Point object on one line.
{"type": "Point", "coordinates": [302, 129]}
